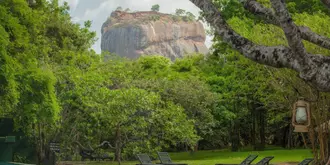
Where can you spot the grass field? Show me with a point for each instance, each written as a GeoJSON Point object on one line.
{"type": "Point", "coordinates": [224, 156]}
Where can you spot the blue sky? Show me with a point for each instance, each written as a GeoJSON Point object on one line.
{"type": "Point", "coordinates": [98, 11]}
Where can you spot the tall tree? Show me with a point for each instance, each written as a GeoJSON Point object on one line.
{"type": "Point", "coordinates": [37, 37]}
{"type": "Point", "coordinates": [155, 7]}
{"type": "Point", "coordinates": [179, 12]}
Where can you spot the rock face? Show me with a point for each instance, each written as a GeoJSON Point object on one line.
{"type": "Point", "coordinates": [150, 33]}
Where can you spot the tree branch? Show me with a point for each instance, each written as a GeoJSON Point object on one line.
{"type": "Point", "coordinates": [311, 68]}
{"type": "Point", "coordinates": [260, 10]}
{"type": "Point", "coordinates": [326, 3]}
{"type": "Point", "coordinates": [269, 16]}
{"type": "Point", "coordinates": [290, 29]}
{"type": "Point", "coordinates": [105, 143]}
{"type": "Point", "coordinates": [308, 35]}
{"type": "Point", "coordinates": [277, 56]}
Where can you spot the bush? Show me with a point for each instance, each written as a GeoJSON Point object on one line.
{"type": "Point", "coordinates": [155, 7]}
{"type": "Point", "coordinates": [154, 17]}
{"type": "Point", "coordinates": [176, 18]}
{"type": "Point", "coordinates": [180, 12]}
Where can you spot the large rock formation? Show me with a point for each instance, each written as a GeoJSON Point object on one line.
{"type": "Point", "coordinates": [150, 33]}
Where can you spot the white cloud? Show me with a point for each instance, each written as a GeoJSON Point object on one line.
{"type": "Point", "coordinates": [166, 6]}
{"type": "Point", "coordinates": [104, 9]}
{"type": "Point", "coordinates": [76, 19]}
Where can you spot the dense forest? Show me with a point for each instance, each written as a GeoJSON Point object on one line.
{"type": "Point", "coordinates": [56, 88]}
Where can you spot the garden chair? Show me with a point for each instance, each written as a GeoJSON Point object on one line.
{"type": "Point", "coordinates": [265, 160]}
{"type": "Point", "coordinates": [246, 161]}
{"type": "Point", "coordinates": [87, 154]}
{"type": "Point", "coordinates": [164, 158]}
{"type": "Point", "coordinates": [306, 161]}
{"type": "Point", "coordinates": [144, 159]}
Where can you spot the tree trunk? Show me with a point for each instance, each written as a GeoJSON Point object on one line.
{"type": "Point", "coordinates": [289, 137]}
{"type": "Point", "coordinates": [196, 147]}
{"type": "Point", "coordinates": [262, 129]}
{"type": "Point", "coordinates": [258, 139]}
{"type": "Point", "coordinates": [44, 154]}
{"type": "Point", "coordinates": [235, 131]}
{"type": "Point", "coordinates": [285, 133]}
{"type": "Point", "coordinates": [40, 146]}
{"type": "Point", "coordinates": [253, 128]}
{"type": "Point", "coordinates": [118, 145]}
{"type": "Point", "coordinates": [235, 137]}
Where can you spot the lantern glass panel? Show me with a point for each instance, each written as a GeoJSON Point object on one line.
{"type": "Point", "coordinates": [301, 115]}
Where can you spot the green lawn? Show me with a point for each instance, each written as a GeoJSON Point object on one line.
{"type": "Point", "coordinates": [225, 156]}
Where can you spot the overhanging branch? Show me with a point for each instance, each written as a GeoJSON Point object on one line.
{"type": "Point", "coordinates": [312, 68]}
{"type": "Point", "coordinates": [308, 35]}
{"type": "Point", "coordinates": [269, 16]}
{"type": "Point", "coordinates": [260, 10]}
{"type": "Point", "coordinates": [290, 30]}
{"type": "Point", "coordinates": [277, 56]}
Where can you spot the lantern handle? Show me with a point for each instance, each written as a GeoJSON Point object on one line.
{"type": "Point", "coordinates": [294, 115]}
{"type": "Point", "coordinates": [308, 114]}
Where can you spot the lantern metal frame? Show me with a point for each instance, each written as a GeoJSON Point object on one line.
{"type": "Point", "coordinates": [301, 127]}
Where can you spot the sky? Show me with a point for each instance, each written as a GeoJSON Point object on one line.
{"type": "Point", "coordinates": [99, 10]}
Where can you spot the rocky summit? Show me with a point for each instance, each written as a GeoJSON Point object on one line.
{"type": "Point", "coordinates": [150, 33]}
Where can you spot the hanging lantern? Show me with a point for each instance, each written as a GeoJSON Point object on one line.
{"type": "Point", "coordinates": [301, 116]}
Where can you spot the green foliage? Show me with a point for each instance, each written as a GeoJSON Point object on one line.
{"type": "Point", "coordinates": [154, 17]}
{"type": "Point", "coordinates": [106, 97]}
{"type": "Point", "coordinates": [176, 18]}
{"type": "Point", "coordinates": [180, 12]}
{"type": "Point", "coordinates": [275, 89]}
{"type": "Point", "coordinates": [36, 41]}
{"type": "Point", "coordinates": [317, 23]}
{"type": "Point", "coordinates": [307, 6]}
{"type": "Point", "coordinates": [56, 88]}
{"type": "Point", "coordinates": [177, 85]}
{"type": "Point", "coordinates": [190, 16]}
{"type": "Point", "coordinates": [231, 8]}
{"type": "Point", "coordinates": [27, 80]}
{"type": "Point", "coordinates": [152, 66]}
{"type": "Point", "coordinates": [155, 7]}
